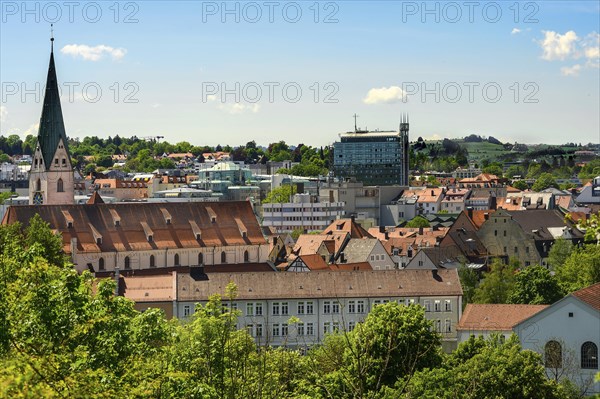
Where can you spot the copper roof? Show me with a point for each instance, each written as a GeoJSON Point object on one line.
{"type": "Point", "coordinates": [120, 225]}
{"type": "Point", "coordinates": [496, 316]}
{"type": "Point", "coordinates": [334, 284]}
{"type": "Point", "coordinates": [589, 295]}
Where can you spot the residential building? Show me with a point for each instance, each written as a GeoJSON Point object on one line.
{"type": "Point", "coordinates": [567, 335]}
{"type": "Point", "coordinates": [484, 180]}
{"type": "Point", "coordinates": [454, 200]}
{"type": "Point", "coordinates": [373, 157]}
{"type": "Point", "coordinates": [590, 193]}
{"type": "Point", "coordinates": [323, 301]}
{"type": "Point", "coordinates": [370, 250]}
{"type": "Point", "coordinates": [303, 213]}
{"type": "Point", "coordinates": [435, 258]}
{"type": "Point", "coordinates": [526, 235]}
{"type": "Point", "coordinates": [466, 173]}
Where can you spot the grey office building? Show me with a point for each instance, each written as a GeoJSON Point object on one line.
{"type": "Point", "coordinates": [377, 158]}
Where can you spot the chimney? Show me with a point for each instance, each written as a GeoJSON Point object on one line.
{"type": "Point", "coordinates": [274, 241]}
{"type": "Point", "coordinates": [382, 229]}
{"type": "Point", "coordinates": [470, 212]}
{"type": "Point", "coordinates": [420, 231]}
{"type": "Point", "coordinates": [387, 236]}
{"type": "Point", "coordinates": [342, 258]}
{"type": "Point", "coordinates": [432, 193]}
{"type": "Point", "coordinates": [486, 216]}
{"type": "Point", "coordinates": [409, 252]}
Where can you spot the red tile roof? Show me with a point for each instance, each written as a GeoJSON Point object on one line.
{"type": "Point", "coordinates": [589, 295]}
{"type": "Point", "coordinates": [496, 317]}
{"type": "Point", "coordinates": [348, 226]}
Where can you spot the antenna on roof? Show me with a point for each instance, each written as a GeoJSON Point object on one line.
{"type": "Point", "coordinates": [52, 37]}
{"type": "Point", "coordinates": [355, 128]}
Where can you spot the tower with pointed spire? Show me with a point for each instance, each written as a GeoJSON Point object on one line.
{"type": "Point", "coordinates": [51, 178]}
{"type": "Point", "coordinates": [404, 163]}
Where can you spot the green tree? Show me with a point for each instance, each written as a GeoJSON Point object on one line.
{"type": "Point", "coordinates": [497, 283]}
{"type": "Point", "coordinates": [485, 369]}
{"type": "Point", "coordinates": [544, 181]}
{"type": "Point", "coordinates": [494, 169]}
{"type": "Point", "coordinates": [581, 269]}
{"type": "Point", "coordinates": [535, 286]}
{"type": "Point", "coordinates": [469, 280]}
{"type": "Point", "coordinates": [280, 194]}
{"type": "Point", "coordinates": [560, 251]}
{"type": "Point", "coordinates": [520, 185]}
{"type": "Point", "coordinates": [418, 221]}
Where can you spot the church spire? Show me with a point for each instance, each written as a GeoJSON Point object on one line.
{"type": "Point", "coordinates": [52, 127]}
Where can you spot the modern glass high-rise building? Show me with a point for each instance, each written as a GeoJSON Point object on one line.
{"type": "Point", "coordinates": [377, 158]}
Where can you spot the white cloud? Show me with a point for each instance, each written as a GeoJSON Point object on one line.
{"type": "Point", "coordinates": [571, 71]}
{"type": "Point", "coordinates": [93, 53]}
{"type": "Point", "coordinates": [515, 31]}
{"type": "Point", "coordinates": [386, 95]}
{"type": "Point", "coordinates": [33, 130]}
{"type": "Point", "coordinates": [592, 52]}
{"type": "Point", "coordinates": [3, 113]}
{"type": "Point", "coordinates": [557, 46]}
{"type": "Point", "coordinates": [239, 108]}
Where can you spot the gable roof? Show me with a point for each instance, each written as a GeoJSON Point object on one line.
{"type": "Point", "coordinates": [589, 295]}
{"type": "Point", "coordinates": [311, 261]}
{"type": "Point", "coordinates": [324, 284]}
{"type": "Point", "coordinates": [543, 222]}
{"type": "Point", "coordinates": [308, 244]}
{"type": "Point", "coordinates": [445, 257]}
{"type": "Point", "coordinates": [172, 225]}
{"type": "Point", "coordinates": [496, 316]}
{"type": "Point", "coordinates": [349, 226]}
{"type": "Point", "coordinates": [358, 249]}
{"type": "Point", "coordinates": [95, 199]}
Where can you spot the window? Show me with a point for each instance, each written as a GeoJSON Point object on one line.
{"type": "Point", "coordinates": [187, 310]}
{"type": "Point", "coordinates": [250, 309]}
{"type": "Point", "coordinates": [309, 307]}
{"type": "Point", "coordinates": [351, 306]}
{"type": "Point", "coordinates": [335, 307]}
{"type": "Point", "coordinates": [553, 354]}
{"type": "Point", "coordinates": [38, 185]}
{"type": "Point", "coordinates": [101, 264]}
{"type": "Point", "coordinates": [310, 329]}
{"type": "Point", "coordinates": [438, 325]}
{"type": "Point", "coordinates": [284, 329]}
{"type": "Point", "coordinates": [259, 330]}
{"type": "Point", "coordinates": [526, 250]}
{"type": "Point", "coordinates": [60, 186]}
{"type": "Point", "coordinates": [589, 356]}
{"type": "Point", "coordinates": [246, 257]}
{"type": "Point", "coordinates": [127, 263]}
{"type": "Point", "coordinates": [351, 325]}
{"type": "Point", "coordinates": [275, 309]}
{"type": "Point", "coordinates": [336, 326]}
{"type": "Point", "coordinates": [56, 161]}
{"type": "Point", "coordinates": [152, 261]}
{"type": "Point", "coordinates": [176, 260]}
{"type": "Point", "coordinates": [437, 306]}
{"type": "Point", "coordinates": [300, 329]}
{"type": "Point", "coordinates": [448, 305]}
{"type": "Point", "coordinates": [258, 309]}
{"type": "Point", "coordinates": [300, 307]}
{"type": "Point", "coordinates": [64, 161]}
{"type": "Point", "coordinates": [200, 258]}
{"type": "Point", "coordinates": [495, 232]}
{"type": "Point", "coordinates": [448, 326]}
{"type": "Point", "coordinates": [276, 330]}
{"type": "Point", "coordinates": [284, 308]}
{"type": "Point", "coordinates": [327, 307]}
{"type": "Point", "coordinates": [250, 329]}
{"type": "Point", "coordinates": [516, 250]}
{"type": "Point", "coordinates": [223, 257]}
{"type": "Point", "coordinates": [326, 327]}
{"type": "Point", "coordinates": [360, 306]}
{"type": "Point", "coordinates": [504, 233]}
{"type": "Point", "coordinates": [427, 305]}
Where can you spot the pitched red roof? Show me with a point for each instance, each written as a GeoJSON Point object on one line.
{"type": "Point", "coordinates": [95, 199]}
{"type": "Point", "coordinates": [348, 226]}
{"type": "Point", "coordinates": [495, 316]}
{"type": "Point", "coordinates": [589, 295]}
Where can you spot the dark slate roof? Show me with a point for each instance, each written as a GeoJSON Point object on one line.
{"type": "Point", "coordinates": [449, 257]}
{"type": "Point", "coordinates": [52, 127]}
{"type": "Point", "coordinates": [537, 222]}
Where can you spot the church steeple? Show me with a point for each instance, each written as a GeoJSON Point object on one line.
{"type": "Point", "coordinates": [52, 127]}
{"type": "Point", "coordinates": [51, 176]}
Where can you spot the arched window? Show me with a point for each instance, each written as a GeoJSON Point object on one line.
{"type": "Point", "coordinates": [101, 264]}
{"type": "Point", "coordinates": [589, 356]}
{"type": "Point", "coordinates": [127, 263]}
{"type": "Point", "coordinates": [246, 257]}
{"type": "Point", "coordinates": [200, 258]}
{"type": "Point", "coordinates": [553, 355]}
{"type": "Point", "coordinates": [60, 188]}
{"type": "Point", "coordinates": [152, 261]}
{"type": "Point", "coordinates": [176, 260]}
{"type": "Point", "coordinates": [223, 257]}
{"type": "Point", "coordinates": [38, 185]}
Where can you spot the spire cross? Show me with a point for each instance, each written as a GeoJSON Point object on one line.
{"type": "Point", "coordinates": [52, 36]}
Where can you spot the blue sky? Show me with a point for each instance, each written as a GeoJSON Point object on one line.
{"type": "Point", "coordinates": [227, 73]}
